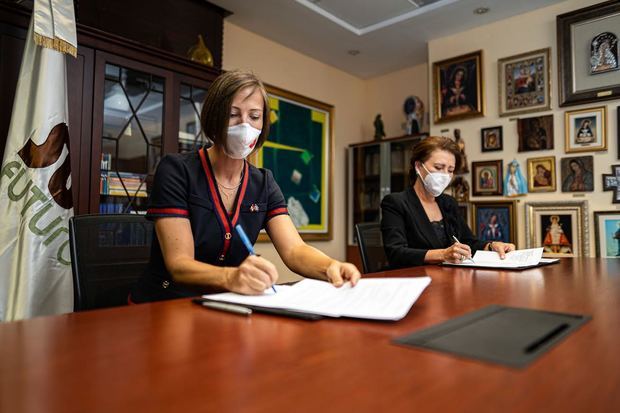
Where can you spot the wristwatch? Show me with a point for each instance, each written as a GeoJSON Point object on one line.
{"type": "Point", "coordinates": [490, 246]}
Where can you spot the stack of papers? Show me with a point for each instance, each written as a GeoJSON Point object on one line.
{"type": "Point", "coordinates": [518, 259]}
{"type": "Point", "coordinates": [371, 298]}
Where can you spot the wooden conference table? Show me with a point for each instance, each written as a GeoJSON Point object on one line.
{"type": "Point", "coordinates": [175, 356]}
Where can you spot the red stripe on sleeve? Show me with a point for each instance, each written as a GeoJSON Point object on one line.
{"type": "Point", "coordinates": [277, 211]}
{"type": "Point", "coordinates": [175, 211]}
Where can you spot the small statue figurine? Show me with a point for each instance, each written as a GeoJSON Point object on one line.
{"type": "Point", "coordinates": [463, 168]}
{"type": "Point", "coordinates": [379, 130]}
{"type": "Point", "coordinates": [460, 189]}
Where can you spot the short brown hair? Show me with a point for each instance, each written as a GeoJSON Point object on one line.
{"type": "Point", "coordinates": [215, 113]}
{"type": "Point", "coordinates": [423, 150]}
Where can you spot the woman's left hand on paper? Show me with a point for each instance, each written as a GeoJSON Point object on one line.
{"type": "Point", "coordinates": [502, 248]}
{"type": "Point", "coordinates": [340, 272]}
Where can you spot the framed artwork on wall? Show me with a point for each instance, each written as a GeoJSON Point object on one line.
{"type": "Point", "coordinates": [588, 60]}
{"type": "Point", "coordinates": [560, 228]}
{"type": "Point", "coordinates": [487, 177]}
{"type": "Point", "coordinates": [585, 130]}
{"type": "Point", "coordinates": [535, 133]}
{"type": "Point", "coordinates": [541, 174]}
{"type": "Point", "coordinates": [611, 182]}
{"type": "Point", "coordinates": [495, 221]}
{"type": "Point", "coordinates": [299, 152]}
{"type": "Point", "coordinates": [607, 233]}
{"type": "Point", "coordinates": [458, 88]}
{"type": "Point", "coordinates": [577, 174]}
{"type": "Point", "coordinates": [491, 139]}
{"type": "Point", "coordinates": [524, 83]}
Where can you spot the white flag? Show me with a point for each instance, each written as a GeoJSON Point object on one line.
{"type": "Point", "coordinates": [35, 179]}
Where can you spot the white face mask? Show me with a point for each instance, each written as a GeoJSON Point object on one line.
{"type": "Point", "coordinates": [435, 182]}
{"type": "Point", "coordinates": [241, 140]}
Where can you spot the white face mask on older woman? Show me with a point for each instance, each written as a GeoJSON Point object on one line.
{"type": "Point", "coordinates": [435, 182]}
{"type": "Point", "coordinates": [241, 140]}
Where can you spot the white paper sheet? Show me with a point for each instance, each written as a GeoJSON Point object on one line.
{"type": "Point", "coordinates": [371, 298]}
{"type": "Point", "coordinates": [514, 259]}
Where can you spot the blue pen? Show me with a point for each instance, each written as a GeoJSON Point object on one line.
{"type": "Point", "coordinates": [248, 245]}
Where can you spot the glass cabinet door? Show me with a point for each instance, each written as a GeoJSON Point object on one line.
{"type": "Point", "coordinates": [131, 137]}
{"type": "Point", "coordinates": [191, 99]}
{"type": "Point", "coordinates": [400, 156]}
{"type": "Point", "coordinates": [366, 178]}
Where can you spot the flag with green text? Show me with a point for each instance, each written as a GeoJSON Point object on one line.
{"type": "Point", "coordinates": [35, 179]}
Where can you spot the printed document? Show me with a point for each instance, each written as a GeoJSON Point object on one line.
{"type": "Point", "coordinates": [371, 298]}
{"type": "Point", "coordinates": [514, 259]}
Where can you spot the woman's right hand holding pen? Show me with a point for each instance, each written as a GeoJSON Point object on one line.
{"type": "Point", "coordinates": [252, 277]}
{"type": "Point", "coordinates": [457, 252]}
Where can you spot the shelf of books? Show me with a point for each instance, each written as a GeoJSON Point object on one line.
{"type": "Point", "coordinates": [121, 192]}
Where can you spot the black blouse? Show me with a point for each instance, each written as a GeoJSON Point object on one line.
{"type": "Point", "coordinates": [408, 233]}
{"type": "Point", "coordinates": [185, 187]}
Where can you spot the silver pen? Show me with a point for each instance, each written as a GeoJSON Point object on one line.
{"type": "Point", "coordinates": [459, 242]}
{"type": "Point", "coordinates": [229, 308]}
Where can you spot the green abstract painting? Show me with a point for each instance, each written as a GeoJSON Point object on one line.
{"type": "Point", "coordinates": [298, 152]}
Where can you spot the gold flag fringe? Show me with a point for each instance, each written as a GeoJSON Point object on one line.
{"type": "Point", "coordinates": [56, 44]}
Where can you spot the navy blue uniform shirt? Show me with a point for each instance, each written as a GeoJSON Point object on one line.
{"type": "Point", "coordinates": [185, 186]}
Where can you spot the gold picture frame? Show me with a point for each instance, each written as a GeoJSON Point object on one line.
{"type": "Point", "coordinates": [524, 83]}
{"type": "Point", "coordinates": [310, 181]}
{"type": "Point", "coordinates": [585, 130]}
{"type": "Point", "coordinates": [541, 174]}
{"type": "Point", "coordinates": [458, 88]}
{"type": "Point", "coordinates": [561, 228]}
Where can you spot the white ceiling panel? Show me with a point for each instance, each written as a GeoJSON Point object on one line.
{"type": "Point", "coordinates": [389, 34]}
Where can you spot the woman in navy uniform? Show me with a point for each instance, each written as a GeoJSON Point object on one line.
{"type": "Point", "coordinates": [198, 198]}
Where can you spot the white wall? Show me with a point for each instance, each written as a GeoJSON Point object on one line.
{"type": "Point", "coordinates": [386, 95]}
{"type": "Point", "coordinates": [520, 34]}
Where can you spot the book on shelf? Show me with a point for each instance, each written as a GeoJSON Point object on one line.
{"type": "Point", "coordinates": [122, 183]}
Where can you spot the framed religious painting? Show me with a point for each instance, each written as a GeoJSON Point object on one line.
{"type": "Point", "coordinates": [525, 83]}
{"type": "Point", "coordinates": [541, 174]}
{"type": "Point", "coordinates": [458, 88]}
{"type": "Point", "coordinates": [577, 174]}
{"type": "Point", "coordinates": [299, 152]}
{"type": "Point", "coordinates": [611, 182]}
{"type": "Point", "coordinates": [535, 133]}
{"type": "Point", "coordinates": [495, 221]}
{"type": "Point", "coordinates": [588, 59]}
{"type": "Point", "coordinates": [487, 177]}
{"type": "Point", "coordinates": [560, 228]}
{"type": "Point", "coordinates": [491, 139]}
{"type": "Point", "coordinates": [585, 130]}
{"type": "Point", "coordinates": [607, 233]}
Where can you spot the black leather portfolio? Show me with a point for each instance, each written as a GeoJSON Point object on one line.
{"type": "Point", "coordinates": [511, 336]}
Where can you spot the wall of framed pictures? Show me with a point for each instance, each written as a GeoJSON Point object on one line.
{"type": "Point", "coordinates": [559, 145]}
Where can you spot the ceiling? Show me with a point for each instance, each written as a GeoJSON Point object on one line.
{"type": "Point", "coordinates": [389, 34]}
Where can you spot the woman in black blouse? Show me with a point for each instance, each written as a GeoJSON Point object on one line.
{"type": "Point", "coordinates": [420, 224]}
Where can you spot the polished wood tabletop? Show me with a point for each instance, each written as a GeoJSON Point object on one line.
{"type": "Point", "coordinates": [176, 356]}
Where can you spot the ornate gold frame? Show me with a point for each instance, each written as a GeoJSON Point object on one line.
{"type": "Point", "coordinates": [479, 111]}
{"type": "Point", "coordinates": [567, 117]}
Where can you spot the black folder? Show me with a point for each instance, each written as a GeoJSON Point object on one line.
{"type": "Point", "coordinates": [511, 336]}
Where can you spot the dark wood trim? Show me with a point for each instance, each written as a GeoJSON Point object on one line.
{"type": "Point", "coordinates": [19, 16]}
